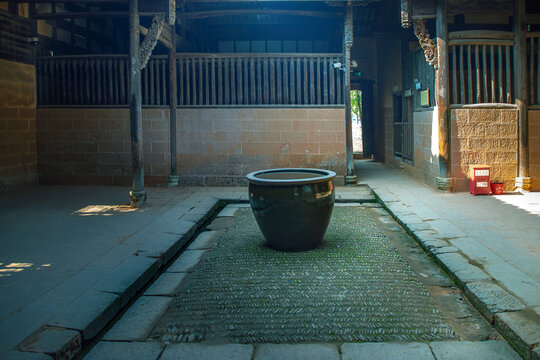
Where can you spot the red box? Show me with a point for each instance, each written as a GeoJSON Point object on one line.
{"type": "Point", "coordinates": [480, 179]}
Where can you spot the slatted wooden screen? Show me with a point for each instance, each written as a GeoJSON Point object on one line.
{"type": "Point", "coordinates": [101, 80]}
{"type": "Point", "coordinates": [203, 80]}
{"type": "Point", "coordinates": [533, 67]}
{"type": "Point", "coordinates": [481, 73]}
{"type": "Point", "coordinates": [259, 79]}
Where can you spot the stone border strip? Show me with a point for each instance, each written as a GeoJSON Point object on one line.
{"type": "Point", "coordinates": [519, 325]}
{"type": "Point", "coordinates": [440, 350]}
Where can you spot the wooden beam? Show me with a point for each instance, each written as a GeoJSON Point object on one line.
{"type": "Point", "coordinates": [442, 83]}
{"type": "Point", "coordinates": [90, 14]}
{"type": "Point", "coordinates": [137, 194]}
{"type": "Point", "coordinates": [520, 85]}
{"type": "Point", "coordinates": [223, 13]}
{"type": "Point", "coordinates": [481, 34]}
{"type": "Point", "coordinates": [67, 1]}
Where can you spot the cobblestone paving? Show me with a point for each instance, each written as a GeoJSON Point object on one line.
{"type": "Point", "coordinates": [356, 287]}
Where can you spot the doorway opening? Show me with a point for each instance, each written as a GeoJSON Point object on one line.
{"type": "Point", "coordinates": [356, 119]}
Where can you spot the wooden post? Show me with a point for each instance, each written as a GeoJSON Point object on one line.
{"type": "Point", "coordinates": [444, 182]}
{"type": "Point", "coordinates": [347, 44]}
{"type": "Point", "coordinates": [137, 193]}
{"type": "Point", "coordinates": [173, 177]}
{"type": "Point", "coordinates": [520, 86]}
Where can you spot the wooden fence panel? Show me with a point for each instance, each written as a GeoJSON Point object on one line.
{"type": "Point", "coordinates": [203, 80]}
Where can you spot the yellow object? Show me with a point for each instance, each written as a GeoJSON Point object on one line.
{"type": "Point", "coordinates": [424, 98]}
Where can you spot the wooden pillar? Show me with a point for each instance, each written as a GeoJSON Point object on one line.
{"type": "Point", "coordinates": [173, 177]}
{"type": "Point", "coordinates": [137, 193]}
{"type": "Point", "coordinates": [520, 86]}
{"type": "Point", "coordinates": [444, 182]}
{"type": "Point", "coordinates": [33, 31]}
{"type": "Point", "coordinates": [347, 44]}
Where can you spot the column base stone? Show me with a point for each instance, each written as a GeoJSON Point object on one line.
{"type": "Point", "coordinates": [523, 183]}
{"type": "Point", "coordinates": [351, 180]}
{"type": "Point", "coordinates": [445, 184]}
{"type": "Point", "coordinates": [174, 181]}
{"type": "Point", "coordinates": [138, 198]}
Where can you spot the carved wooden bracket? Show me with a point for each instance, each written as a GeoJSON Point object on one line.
{"type": "Point", "coordinates": [429, 46]}
{"type": "Point", "coordinates": [406, 21]}
{"type": "Point", "coordinates": [150, 40]}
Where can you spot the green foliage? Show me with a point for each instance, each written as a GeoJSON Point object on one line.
{"type": "Point", "coordinates": [356, 102]}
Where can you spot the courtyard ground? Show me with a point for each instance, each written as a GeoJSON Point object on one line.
{"type": "Point", "coordinates": [72, 259]}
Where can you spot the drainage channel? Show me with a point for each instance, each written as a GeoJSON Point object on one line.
{"type": "Point", "coordinates": [233, 292]}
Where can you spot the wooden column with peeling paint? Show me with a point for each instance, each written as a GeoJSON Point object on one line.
{"type": "Point", "coordinates": [442, 95]}
{"type": "Point", "coordinates": [173, 177]}
{"type": "Point", "coordinates": [520, 85]}
{"type": "Point", "coordinates": [347, 44]}
{"type": "Point", "coordinates": [137, 193]}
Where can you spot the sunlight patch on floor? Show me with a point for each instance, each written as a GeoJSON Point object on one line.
{"type": "Point", "coordinates": [103, 210]}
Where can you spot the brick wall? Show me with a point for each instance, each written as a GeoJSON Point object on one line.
{"type": "Point", "coordinates": [426, 146]}
{"type": "Point", "coordinates": [484, 136]}
{"type": "Point", "coordinates": [534, 148]}
{"type": "Point", "coordinates": [220, 146]}
{"type": "Point", "coordinates": [215, 146]}
{"type": "Point", "coordinates": [93, 146]}
{"type": "Point", "coordinates": [18, 150]}
{"type": "Point", "coordinates": [425, 166]}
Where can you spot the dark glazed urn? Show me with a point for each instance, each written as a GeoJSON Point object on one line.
{"type": "Point", "coordinates": [292, 206]}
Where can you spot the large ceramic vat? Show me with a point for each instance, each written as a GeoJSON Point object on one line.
{"type": "Point", "coordinates": [292, 206]}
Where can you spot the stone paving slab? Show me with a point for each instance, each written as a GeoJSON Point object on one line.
{"type": "Point", "coordinates": [89, 314]}
{"type": "Point", "coordinates": [221, 223]}
{"type": "Point", "coordinates": [109, 350]}
{"type": "Point", "coordinates": [296, 352]}
{"type": "Point", "coordinates": [59, 343]}
{"type": "Point", "coordinates": [386, 351]}
{"type": "Point", "coordinates": [139, 320]}
{"type": "Point", "coordinates": [129, 277]}
{"type": "Point", "coordinates": [165, 285]}
{"type": "Point", "coordinates": [187, 260]}
{"type": "Point", "coordinates": [516, 281]}
{"type": "Point", "coordinates": [205, 240]}
{"type": "Point", "coordinates": [475, 251]}
{"type": "Point", "coordinates": [348, 204]}
{"type": "Point", "coordinates": [20, 355]}
{"type": "Point", "coordinates": [480, 350]}
{"type": "Point", "coordinates": [207, 352]}
{"type": "Point", "coordinates": [521, 329]}
{"type": "Point", "coordinates": [360, 193]}
{"type": "Point", "coordinates": [446, 229]}
{"type": "Point", "coordinates": [460, 269]}
{"type": "Point", "coordinates": [490, 299]}
{"type": "Point", "coordinates": [228, 211]}
{"type": "Point", "coordinates": [162, 246]}
{"type": "Point", "coordinates": [23, 324]}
